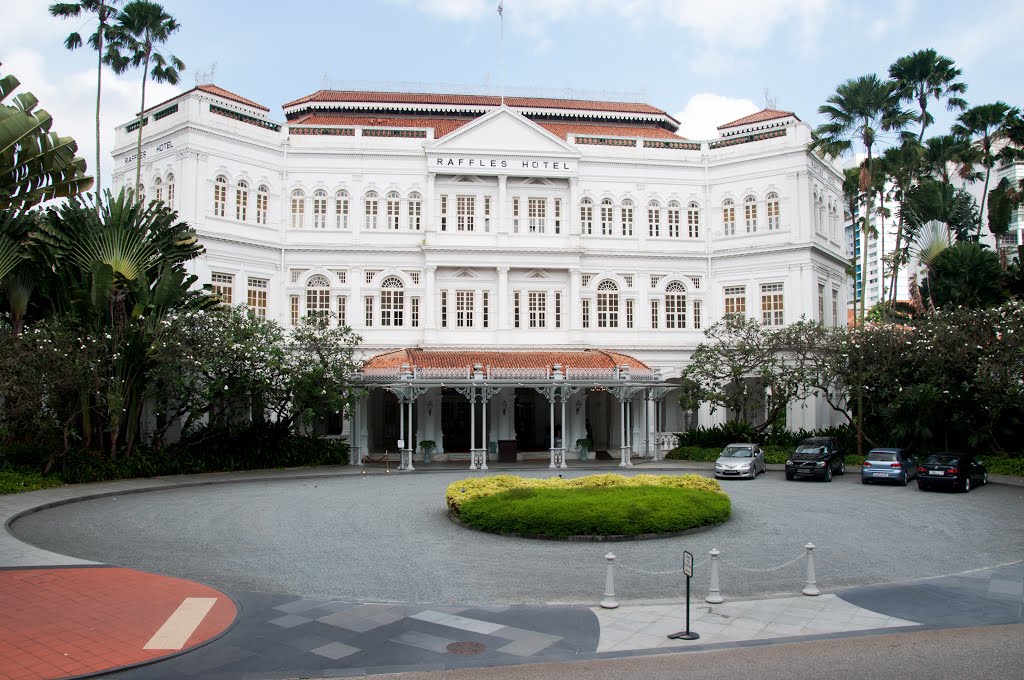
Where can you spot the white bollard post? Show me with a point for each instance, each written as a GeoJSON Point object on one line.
{"type": "Point", "coordinates": [714, 593]}
{"type": "Point", "coordinates": [609, 584]}
{"type": "Point", "coordinates": [812, 585]}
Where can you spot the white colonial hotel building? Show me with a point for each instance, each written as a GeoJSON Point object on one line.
{"type": "Point", "coordinates": [516, 270]}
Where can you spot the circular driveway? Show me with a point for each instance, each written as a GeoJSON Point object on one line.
{"type": "Point", "coordinates": [388, 538]}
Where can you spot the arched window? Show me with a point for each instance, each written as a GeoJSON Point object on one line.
{"type": "Point", "coordinates": [819, 213]}
{"type": "Point", "coordinates": [241, 200]}
{"type": "Point", "coordinates": [394, 202]}
{"type": "Point", "coordinates": [675, 305]}
{"type": "Point", "coordinates": [653, 218]}
{"type": "Point", "coordinates": [392, 301]}
{"type": "Point", "coordinates": [626, 213]}
{"type": "Point", "coordinates": [729, 217]}
{"type": "Point", "coordinates": [170, 191]}
{"type": "Point", "coordinates": [298, 208]}
{"type": "Point", "coordinates": [318, 296]}
{"type": "Point", "coordinates": [834, 222]}
{"type": "Point", "coordinates": [142, 193]}
{"type": "Point", "coordinates": [586, 216]}
{"type": "Point", "coordinates": [262, 203]}
{"type": "Point", "coordinates": [220, 196]}
{"type": "Point", "coordinates": [693, 219]}
{"type": "Point", "coordinates": [750, 213]}
{"type": "Point", "coordinates": [607, 304]}
{"type": "Point", "coordinates": [774, 214]}
{"type": "Point", "coordinates": [319, 209]}
{"type": "Point", "coordinates": [416, 211]}
{"type": "Point", "coordinates": [606, 217]}
{"type": "Point", "coordinates": [341, 210]}
{"type": "Point", "coordinates": [158, 190]}
{"type": "Point", "coordinates": [673, 218]}
{"type": "Point", "coordinates": [370, 205]}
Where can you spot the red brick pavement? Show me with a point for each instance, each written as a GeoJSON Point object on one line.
{"type": "Point", "coordinates": [60, 623]}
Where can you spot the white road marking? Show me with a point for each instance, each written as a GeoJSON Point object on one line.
{"type": "Point", "coordinates": [178, 628]}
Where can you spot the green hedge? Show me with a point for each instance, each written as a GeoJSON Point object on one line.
{"type": "Point", "coordinates": [15, 481]}
{"type": "Point", "coordinates": [607, 511]}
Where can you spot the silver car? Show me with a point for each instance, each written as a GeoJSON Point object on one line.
{"type": "Point", "coordinates": [740, 460]}
{"type": "Point", "coordinates": [888, 465]}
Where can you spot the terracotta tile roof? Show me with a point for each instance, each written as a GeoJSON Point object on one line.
{"type": "Point", "coordinates": [588, 358]}
{"type": "Point", "coordinates": [341, 96]}
{"type": "Point", "coordinates": [442, 126]}
{"type": "Point", "coordinates": [759, 117]}
{"type": "Point", "coordinates": [214, 90]}
{"type": "Point", "coordinates": [563, 130]}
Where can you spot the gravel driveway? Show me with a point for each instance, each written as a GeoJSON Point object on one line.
{"type": "Point", "coordinates": [387, 538]}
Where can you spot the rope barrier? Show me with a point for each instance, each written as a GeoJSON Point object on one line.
{"type": "Point", "coordinates": [763, 571]}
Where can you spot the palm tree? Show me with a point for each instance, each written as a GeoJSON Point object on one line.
{"type": "Point", "coordinates": [105, 12]}
{"type": "Point", "coordinates": [926, 75]}
{"type": "Point", "coordinates": [990, 123]}
{"type": "Point", "coordinates": [902, 164]}
{"type": "Point", "coordinates": [945, 151]}
{"type": "Point", "coordinates": [140, 28]}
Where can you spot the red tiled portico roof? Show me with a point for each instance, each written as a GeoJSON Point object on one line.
{"type": "Point", "coordinates": [759, 117]}
{"type": "Point", "coordinates": [342, 96]}
{"type": "Point", "coordinates": [420, 358]}
{"type": "Point", "coordinates": [214, 90]}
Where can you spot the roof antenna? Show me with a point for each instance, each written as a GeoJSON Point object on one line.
{"type": "Point", "coordinates": [501, 21]}
{"type": "Point", "coordinates": [769, 101]}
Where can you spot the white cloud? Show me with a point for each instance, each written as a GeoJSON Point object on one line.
{"type": "Point", "coordinates": [704, 112]}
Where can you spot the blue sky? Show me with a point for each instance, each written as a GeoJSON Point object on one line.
{"type": "Point", "coordinates": [704, 61]}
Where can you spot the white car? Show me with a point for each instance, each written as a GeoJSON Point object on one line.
{"type": "Point", "coordinates": [740, 460]}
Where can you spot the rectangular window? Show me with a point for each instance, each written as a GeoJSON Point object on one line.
{"type": "Point", "coordinates": [465, 207]}
{"type": "Point", "coordinates": [607, 310]}
{"type": "Point", "coordinates": [774, 220]}
{"type": "Point", "coordinates": [220, 198]}
{"type": "Point", "coordinates": [393, 206]}
{"type": "Point", "coordinates": [772, 304]}
{"type": "Point", "coordinates": [536, 209]}
{"type": "Point", "coordinates": [736, 300]}
{"type": "Point", "coordinates": [444, 309]}
{"type": "Point", "coordinates": [414, 312]}
{"type": "Point", "coordinates": [262, 203]}
{"type": "Point", "coordinates": [696, 314]}
{"type": "Point", "coordinates": [585, 309]}
{"type": "Point", "coordinates": [515, 309]}
{"type": "Point", "coordinates": [464, 308]}
{"type": "Point", "coordinates": [392, 307]}
{"type": "Point", "coordinates": [222, 286]}
{"type": "Point", "coordinates": [629, 313]}
{"type": "Point", "coordinates": [515, 214]}
{"type": "Point", "coordinates": [835, 306]}
{"type": "Point", "coordinates": [368, 310]}
{"type": "Point", "coordinates": [538, 302]}
{"type": "Point", "coordinates": [241, 203]}
{"type": "Point", "coordinates": [415, 214]}
{"type": "Point", "coordinates": [558, 310]}
{"type": "Point", "coordinates": [750, 216]}
{"type": "Point", "coordinates": [487, 213]}
{"type": "Point", "coordinates": [675, 310]}
{"type": "Point", "coordinates": [342, 310]}
{"type": "Point", "coordinates": [370, 211]}
{"type": "Point", "coordinates": [654, 220]}
{"type": "Point", "coordinates": [170, 195]}
{"type": "Point", "coordinates": [654, 314]}
{"type": "Point", "coordinates": [729, 218]}
{"type": "Point", "coordinates": [693, 221]}
{"type": "Point", "coordinates": [444, 212]}
{"type": "Point", "coordinates": [485, 312]}
{"type": "Point", "coordinates": [319, 211]}
{"type": "Point", "coordinates": [673, 221]}
{"type": "Point", "coordinates": [821, 303]}
{"type": "Point", "coordinates": [318, 302]}
{"type": "Point", "coordinates": [341, 211]}
{"type": "Point", "coordinates": [606, 218]}
{"type": "Point", "coordinates": [294, 303]}
{"type": "Point", "coordinates": [586, 218]}
{"type": "Point", "coordinates": [558, 216]}
{"type": "Point", "coordinates": [627, 220]}
{"type": "Point", "coordinates": [258, 297]}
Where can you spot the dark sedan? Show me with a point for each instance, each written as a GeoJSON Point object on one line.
{"type": "Point", "coordinates": [958, 471]}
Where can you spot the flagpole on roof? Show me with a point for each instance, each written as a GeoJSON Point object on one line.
{"type": "Point", "coordinates": [501, 21]}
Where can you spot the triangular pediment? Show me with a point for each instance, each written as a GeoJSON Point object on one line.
{"type": "Point", "coordinates": [503, 131]}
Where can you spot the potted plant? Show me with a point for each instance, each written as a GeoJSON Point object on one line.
{"type": "Point", "coordinates": [584, 444]}
{"type": "Point", "coordinates": [427, 446]}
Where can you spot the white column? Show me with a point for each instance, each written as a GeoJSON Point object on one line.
{"type": "Point", "coordinates": [573, 303]}
{"type": "Point", "coordinates": [472, 429]}
{"type": "Point", "coordinates": [565, 432]}
{"type": "Point", "coordinates": [571, 219]}
{"type": "Point", "coordinates": [356, 311]}
{"type": "Point", "coordinates": [500, 224]}
{"type": "Point", "coordinates": [429, 298]}
{"type": "Point", "coordinates": [502, 306]}
{"type": "Point", "coordinates": [551, 428]}
{"type": "Point", "coordinates": [430, 222]}
{"type": "Point", "coordinates": [483, 435]}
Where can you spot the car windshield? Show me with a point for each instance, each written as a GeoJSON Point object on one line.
{"type": "Point", "coordinates": [811, 449]}
{"type": "Point", "coordinates": [942, 460]}
{"type": "Point", "coordinates": [737, 452]}
{"type": "Point", "coordinates": [882, 456]}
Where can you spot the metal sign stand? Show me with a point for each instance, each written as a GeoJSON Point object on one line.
{"type": "Point", "coordinates": [688, 570]}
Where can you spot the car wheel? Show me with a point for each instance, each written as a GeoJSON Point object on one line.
{"type": "Point", "coordinates": [903, 480]}
{"type": "Point", "coordinates": [922, 486]}
{"type": "Point", "coordinates": [828, 474]}
{"type": "Point", "coordinates": [864, 480]}
{"type": "Point", "coordinates": [967, 485]}
{"type": "Point", "coordinates": [789, 474]}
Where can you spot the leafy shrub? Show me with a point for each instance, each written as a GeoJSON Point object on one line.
{"type": "Point", "coordinates": [616, 510]}
{"type": "Point", "coordinates": [15, 481]}
{"type": "Point", "coordinates": [469, 489]}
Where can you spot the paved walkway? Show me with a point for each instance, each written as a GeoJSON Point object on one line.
{"type": "Point", "coordinates": [63, 617]}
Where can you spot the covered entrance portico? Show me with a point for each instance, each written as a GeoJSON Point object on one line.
{"type": "Point", "coordinates": [480, 406]}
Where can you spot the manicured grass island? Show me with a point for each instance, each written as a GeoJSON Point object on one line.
{"type": "Point", "coordinates": [595, 506]}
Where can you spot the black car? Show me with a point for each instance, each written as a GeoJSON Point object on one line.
{"type": "Point", "coordinates": [958, 471]}
{"type": "Point", "coordinates": [817, 457]}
